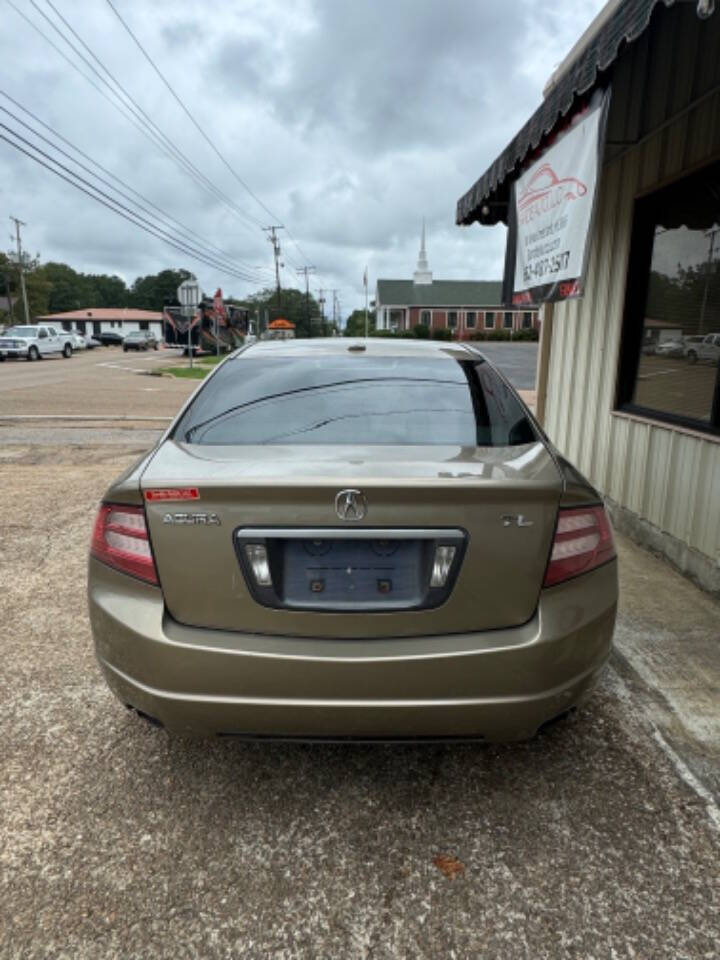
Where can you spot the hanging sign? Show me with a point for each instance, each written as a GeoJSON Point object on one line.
{"type": "Point", "coordinates": [551, 211]}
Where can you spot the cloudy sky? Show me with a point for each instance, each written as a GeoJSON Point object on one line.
{"type": "Point", "coordinates": [349, 120]}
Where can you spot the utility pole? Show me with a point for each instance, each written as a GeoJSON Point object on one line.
{"type": "Point", "coordinates": [334, 293]}
{"type": "Point", "coordinates": [321, 301]}
{"type": "Point", "coordinates": [274, 240]}
{"type": "Point", "coordinates": [711, 233]}
{"type": "Point", "coordinates": [18, 224]}
{"type": "Point", "coordinates": [307, 271]}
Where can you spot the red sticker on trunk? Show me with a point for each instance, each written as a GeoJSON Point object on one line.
{"type": "Point", "coordinates": [173, 493]}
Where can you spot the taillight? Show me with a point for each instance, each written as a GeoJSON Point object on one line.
{"type": "Point", "coordinates": [120, 539]}
{"type": "Point", "coordinates": [583, 541]}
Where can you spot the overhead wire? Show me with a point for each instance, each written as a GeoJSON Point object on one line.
{"type": "Point", "coordinates": [135, 114]}
{"type": "Point", "coordinates": [200, 130]}
{"type": "Point", "coordinates": [145, 206]}
{"type": "Point", "coordinates": [137, 110]}
{"type": "Point", "coordinates": [120, 209]}
{"type": "Point", "coordinates": [131, 114]}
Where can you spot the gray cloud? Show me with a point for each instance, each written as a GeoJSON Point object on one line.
{"type": "Point", "coordinates": [351, 121]}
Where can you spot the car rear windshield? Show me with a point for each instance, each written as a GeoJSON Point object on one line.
{"type": "Point", "coordinates": [357, 400]}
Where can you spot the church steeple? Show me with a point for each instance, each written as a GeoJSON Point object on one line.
{"type": "Point", "coordinates": [423, 274]}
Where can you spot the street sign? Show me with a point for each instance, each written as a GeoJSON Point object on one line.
{"type": "Point", "coordinates": [188, 294]}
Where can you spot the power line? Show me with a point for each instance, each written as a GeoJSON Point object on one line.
{"type": "Point", "coordinates": [134, 113]}
{"type": "Point", "coordinates": [189, 115]}
{"type": "Point", "coordinates": [144, 117]}
{"type": "Point", "coordinates": [113, 205]}
{"type": "Point", "coordinates": [197, 126]}
{"type": "Point", "coordinates": [143, 127]}
{"type": "Point", "coordinates": [189, 234]}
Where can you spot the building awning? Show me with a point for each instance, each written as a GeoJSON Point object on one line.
{"type": "Point", "coordinates": [618, 24]}
{"type": "Point", "coordinates": [281, 324]}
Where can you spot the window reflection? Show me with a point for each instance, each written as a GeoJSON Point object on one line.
{"type": "Point", "coordinates": [680, 347]}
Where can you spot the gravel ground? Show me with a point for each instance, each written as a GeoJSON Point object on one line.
{"type": "Point", "coordinates": [118, 842]}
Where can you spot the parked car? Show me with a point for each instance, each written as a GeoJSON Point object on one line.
{"type": "Point", "coordinates": [341, 538]}
{"type": "Point", "coordinates": [35, 342]}
{"type": "Point", "coordinates": [708, 349]}
{"type": "Point", "coordinates": [670, 348]}
{"type": "Point", "coordinates": [78, 340]}
{"type": "Point", "coordinates": [109, 338]}
{"type": "Point", "coordinates": [140, 340]}
{"type": "Point", "coordinates": [691, 343]}
{"type": "Point", "coordinates": [91, 343]}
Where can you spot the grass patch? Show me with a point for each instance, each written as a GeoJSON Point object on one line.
{"type": "Point", "coordinates": [201, 367]}
{"type": "Point", "coordinates": [210, 361]}
{"type": "Point", "coordinates": [188, 373]}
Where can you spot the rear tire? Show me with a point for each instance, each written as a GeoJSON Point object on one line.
{"type": "Point", "coordinates": [33, 354]}
{"type": "Point", "coordinates": [67, 351]}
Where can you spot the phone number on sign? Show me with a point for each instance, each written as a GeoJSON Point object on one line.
{"type": "Point", "coordinates": [546, 266]}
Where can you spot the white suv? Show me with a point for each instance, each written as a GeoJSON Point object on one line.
{"type": "Point", "coordinates": [707, 349]}
{"type": "Point", "coordinates": [35, 342]}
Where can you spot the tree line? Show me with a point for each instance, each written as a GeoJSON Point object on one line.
{"type": "Point", "coordinates": [57, 288]}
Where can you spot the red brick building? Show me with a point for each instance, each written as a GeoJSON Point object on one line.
{"type": "Point", "coordinates": [466, 307]}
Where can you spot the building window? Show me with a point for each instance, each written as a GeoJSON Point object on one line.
{"type": "Point", "coordinates": [527, 320]}
{"type": "Point", "coordinates": [396, 319]}
{"type": "Point", "coordinates": [144, 324]}
{"type": "Point", "coordinates": [470, 319]}
{"type": "Point", "coordinates": [452, 319]}
{"type": "Point", "coordinates": [425, 317]}
{"type": "Point", "coordinates": [489, 320]}
{"type": "Point", "coordinates": [670, 347]}
{"type": "Point", "coordinates": [508, 321]}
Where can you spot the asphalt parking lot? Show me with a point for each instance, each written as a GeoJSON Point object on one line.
{"type": "Point", "coordinates": [598, 839]}
{"type": "Point", "coordinates": [676, 386]}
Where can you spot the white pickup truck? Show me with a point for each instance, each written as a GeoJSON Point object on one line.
{"type": "Point", "coordinates": [35, 342]}
{"type": "Point", "coordinates": [707, 349]}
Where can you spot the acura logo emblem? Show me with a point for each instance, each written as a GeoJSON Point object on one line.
{"type": "Point", "coordinates": [350, 505]}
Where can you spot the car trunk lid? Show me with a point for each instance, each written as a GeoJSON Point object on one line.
{"type": "Point", "coordinates": [497, 505]}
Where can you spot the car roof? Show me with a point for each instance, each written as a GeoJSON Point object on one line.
{"type": "Point", "coordinates": [373, 346]}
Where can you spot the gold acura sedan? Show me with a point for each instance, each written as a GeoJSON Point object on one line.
{"type": "Point", "coordinates": [353, 539]}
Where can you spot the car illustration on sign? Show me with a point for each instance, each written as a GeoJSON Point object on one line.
{"type": "Point", "coordinates": [545, 182]}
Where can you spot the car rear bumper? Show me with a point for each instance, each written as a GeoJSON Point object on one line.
{"type": "Point", "coordinates": [498, 685]}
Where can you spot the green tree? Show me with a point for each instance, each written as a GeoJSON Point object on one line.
{"type": "Point", "coordinates": [151, 292]}
{"type": "Point", "coordinates": [355, 324]}
{"type": "Point", "coordinates": [294, 306]}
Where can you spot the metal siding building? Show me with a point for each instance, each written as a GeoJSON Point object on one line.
{"type": "Point", "coordinates": [662, 480]}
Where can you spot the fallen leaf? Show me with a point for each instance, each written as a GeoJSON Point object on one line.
{"type": "Point", "coordinates": [450, 866]}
